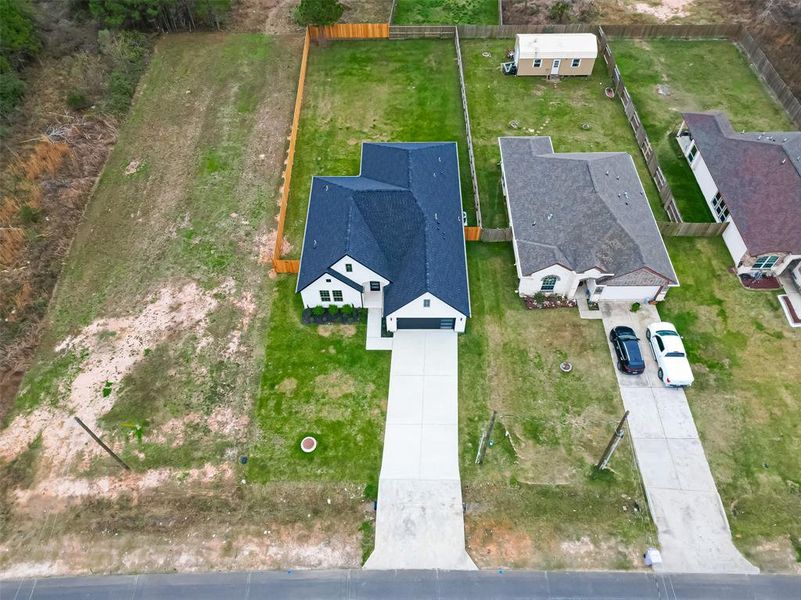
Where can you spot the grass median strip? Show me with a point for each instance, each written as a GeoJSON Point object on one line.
{"type": "Point", "coordinates": [668, 77]}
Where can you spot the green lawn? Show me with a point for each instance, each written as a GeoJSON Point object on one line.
{"type": "Point", "coordinates": [540, 108]}
{"type": "Point", "coordinates": [445, 12]}
{"type": "Point", "coordinates": [405, 91]}
{"type": "Point", "coordinates": [746, 399]}
{"type": "Point", "coordinates": [538, 502]}
{"type": "Point", "coordinates": [318, 380]}
{"type": "Point", "coordinates": [700, 76]}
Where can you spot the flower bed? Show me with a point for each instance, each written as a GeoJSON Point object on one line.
{"type": "Point", "coordinates": [547, 301]}
{"type": "Point", "coordinates": [333, 314]}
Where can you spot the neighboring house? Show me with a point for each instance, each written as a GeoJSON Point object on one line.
{"type": "Point", "coordinates": [752, 181]}
{"type": "Point", "coordinates": [582, 218]}
{"type": "Point", "coordinates": [391, 238]}
{"type": "Point", "coordinates": [550, 54]}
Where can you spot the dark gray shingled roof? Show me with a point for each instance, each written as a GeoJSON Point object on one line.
{"type": "Point", "coordinates": [582, 210]}
{"type": "Point", "coordinates": [401, 217]}
{"type": "Point", "coordinates": [758, 176]}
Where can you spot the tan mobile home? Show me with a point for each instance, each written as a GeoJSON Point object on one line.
{"type": "Point", "coordinates": [551, 54]}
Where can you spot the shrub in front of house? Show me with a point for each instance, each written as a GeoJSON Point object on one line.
{"type": "Point", "coordinates": [540, 300]}
{"type": "Point", "coordinates": [333, 314]}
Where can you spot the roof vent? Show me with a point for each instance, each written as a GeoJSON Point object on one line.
{"type": "Point", "coordinates": [607, 172]}
{"type": "Point", "coordinates": [326, 188]}
{"type": "Point", "coordinates": [314, 244]}
{"type": "Point", "coordinates": [784, 160]}
{"type": "Point", "coordinates": [626, 194]}
{"type": "Point", "coordinates": [550, 216]}
{"type": "Point", "coordinates": [439, 159]}
{"type": "Point", "coordinates": [759, 137]}
{"type": "Point", "coordinates": [436, 217]}
{"type": "Point", "coordinates": [617, 177]}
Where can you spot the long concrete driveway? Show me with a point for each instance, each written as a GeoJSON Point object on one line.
{"type": "Point", "coordinates": [693, 529]}
{"type": "Point", "coordinates": [419, 520]}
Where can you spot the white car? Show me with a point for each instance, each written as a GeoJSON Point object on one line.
{"type": "Point", "coordinates": [671, 358]}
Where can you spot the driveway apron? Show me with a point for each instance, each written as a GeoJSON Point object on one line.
{"type": "Point", "coordinates": [693, 529]}
{"type": "Point", "coordinates": [419, 520]}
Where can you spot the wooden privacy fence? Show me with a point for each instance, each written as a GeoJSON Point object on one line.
{"type": "Point", "coordinates": [662, 186]}
{"type": "Point", "coordinates": [692, 229]}
{"type": "Point", "coordinates": [472, 234]}
{"type": "Point", "coordinates": [350, 31]}
{"type": "Point", "coordinates": [685, 32]}
{"type": "Point", "coordinates": [470, 157]}
{"type": "Point", "coordinates": [279, 264]}
{"type": "Point", "coordinates": [496, 235]}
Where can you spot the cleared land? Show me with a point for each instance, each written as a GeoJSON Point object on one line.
{"type": "Point", "coordinates": [536, 501]}
{"type": "Point", "coordinates": [446, 12]}
{"type": "Point", "coordinates": [746, 399]}
{"type": "Point", "coordinates": [378, 91]}
{"type": "Point", "coordinates": [668, 77]}
{"type": "Point", "coordinates": [574, 112]}
{"type": "Point", "coordinates": [157, 331]}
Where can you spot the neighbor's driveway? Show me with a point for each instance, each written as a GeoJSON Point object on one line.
{"type": "Point", "coordinates": [419, 521]}
{"type": "Point", "coordinates": [693, 529]}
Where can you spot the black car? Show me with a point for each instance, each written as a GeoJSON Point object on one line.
{"type": "Point", "coordinates": [627, 347]}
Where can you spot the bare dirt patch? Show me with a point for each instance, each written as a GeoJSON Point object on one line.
{"type": "Point", "coordinates": [110, 357]}
{"type": "Point", "coordinates": [288, 386]}
{"type": "Point", "coordinates": [335, 385]}
{"type": "Point", "coordinates": [666, 9]}
{"type": "Point", "coordinates": [343, 330]}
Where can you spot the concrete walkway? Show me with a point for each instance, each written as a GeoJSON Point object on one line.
{"type": "Point", "coordinates": [374, 340]}
{"type": "Point", "coordinates": [693, 529]}
{"type": "Point", "coordinates": [420, 522]}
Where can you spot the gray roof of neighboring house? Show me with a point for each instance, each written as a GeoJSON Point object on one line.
{"type": "Point", "coordinates": [582, 210]}
{"type": "Point", "coordinates": [401, 218]}
{"type": "Point", "coordinates": [759, 178]}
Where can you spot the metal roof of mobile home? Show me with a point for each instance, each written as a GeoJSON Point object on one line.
{"type": "Point", "coordinates": [557, 45]}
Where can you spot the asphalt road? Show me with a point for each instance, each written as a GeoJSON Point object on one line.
{"type": "Point", "coordinates": [394, 585]}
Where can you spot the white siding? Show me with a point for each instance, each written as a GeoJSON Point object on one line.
{"type": "Point", "coordinates": [360, 274]}
{"type": "Point", "coordinates": [416, 309]}
{"type": "Point", "coordinates": [734, 242]}
{"type": "Point", "coordinates": [704, 178]}
{"type": "Point", "coordinates": [533, 283]}
{"type": "Point", "coordinates": [311, 293]}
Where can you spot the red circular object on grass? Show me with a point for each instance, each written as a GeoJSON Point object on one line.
{"type": "Point", "coordinates": [308, 444]}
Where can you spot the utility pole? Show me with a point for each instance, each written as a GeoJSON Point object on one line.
{"type": "Point", "coordinates": [102, 445]}
{"type": "Point", "coordinates": [482, 446]}
{"type": "Point", "coordinates": [613, 443]}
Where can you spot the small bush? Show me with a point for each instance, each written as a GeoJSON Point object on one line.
{"type": "Point", "coordinates": [635, 307]}
{"type": "Point", "coordinates": [12, 88]}
{"type": "Point", "coordinates": [318, 311]}
{"type": "Point", "coordinates": [333, 310]}
{"type": "Point", "coordinates": [77, 100]}
{"type": "Point", "coordinates": [318, 12]}
{"type": "Point", "coordinates": [347, 310]}
{"type": "Point", "coordinates": [29, 215]}
{"type": "Point", "coordinates": [539, 297]}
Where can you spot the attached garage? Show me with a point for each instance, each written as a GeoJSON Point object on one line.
{"type": "Point", "coordinates": [428, 323]}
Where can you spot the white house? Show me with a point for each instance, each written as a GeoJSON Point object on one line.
{"type": "Point", "coordinates": [753, 182]}
{"type": "Point", "coordinates": [551, 54]}
{"type": "Point", "coordinates": [390, 238]}
{"type": "Point", "coordinates": [582, 219]}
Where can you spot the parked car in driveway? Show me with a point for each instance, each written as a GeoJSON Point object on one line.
{"type": "Point", "coordinates": [627, 349]}
{"type": "Point", "coordinates": [671, 358]}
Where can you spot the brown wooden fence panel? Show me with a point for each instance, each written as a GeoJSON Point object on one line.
{"type": "Point", "coordinates": [509, 31]}
{"type": "Point", "coordinates": [470, 157]}
{"type": "Point", "coordinates": [643, 30]}
{"type": "Point", "coordinates": [692, 229]}
{"type": "Point", "coordinates": [282, 265]}
{"type": "Point", "coordinates": [407, 32]}
{"type": "Point", "coordinates": [496, 235]}
{"type": "Point", "coordinates": [759, 61]}
{"type": "Point", "coordinates": [472, 234]}
{"type": "Point", "coordinates": [293, 136]}
{"type": "Point", "coordinates": [350, 31]}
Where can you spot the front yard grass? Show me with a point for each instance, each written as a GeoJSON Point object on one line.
{"type": "Point", "coordinates": [694, 76]}
{"type": "Point", "coordinates": [536, 502]}
{"type": "Point", "coordinates": [746, 399]}
{"type": "Point", "coordinates": [318, 380]}
{"type": "Point", "coordinates": [540, 107]}
{"type": "Point", "coordinates": [380, 91]}
{"type": "Point", "coordinates": [445, 12]}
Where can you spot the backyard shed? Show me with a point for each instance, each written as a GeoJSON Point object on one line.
{"type": "Point", "coordinates": [549, 54]}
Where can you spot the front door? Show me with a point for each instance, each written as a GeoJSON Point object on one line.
{"type": "Point", "coordinates": [555, 66]}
